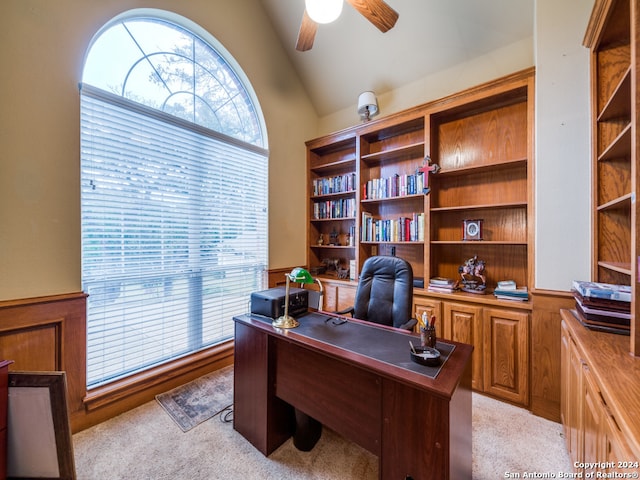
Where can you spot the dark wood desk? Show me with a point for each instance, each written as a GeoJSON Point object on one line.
{"type": "Point", "coordinates": [357, 379]}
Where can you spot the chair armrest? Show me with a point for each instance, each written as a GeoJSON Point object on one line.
{"type": "Point", "coordinates": [409, 324]}
{"type": "Point", "coordinates": [349, 310]}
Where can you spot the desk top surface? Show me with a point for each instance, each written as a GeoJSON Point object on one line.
{"type": "Point", "coordinates": [378, 348]}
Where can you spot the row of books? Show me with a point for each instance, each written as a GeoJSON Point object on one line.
{"type": "Point", "coordinates": [403, 229]}
{"type": "Point", "coordinates": [339, 208]}
{"type": "Point", "coordinates": [394, 186]}
{"type": "Point", "coordinates": [603, 306]}
{"type": "Point", "coordinates": [339, 184]}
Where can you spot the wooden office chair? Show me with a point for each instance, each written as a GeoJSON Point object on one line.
{"type": "Point", "coordinates": [385, 293]}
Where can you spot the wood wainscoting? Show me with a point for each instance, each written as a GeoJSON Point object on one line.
{"type": "Point", "coordinates": [50, 334]}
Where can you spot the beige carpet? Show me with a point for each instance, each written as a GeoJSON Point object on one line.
{"type": "Point", "coordinates": [146, 444]}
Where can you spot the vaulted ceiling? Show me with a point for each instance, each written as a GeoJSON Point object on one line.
{"type": "Point", "coordinates": [350, 55]}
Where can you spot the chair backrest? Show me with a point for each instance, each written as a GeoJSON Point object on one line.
{"type": "Point", "coordinates": [385, 291]}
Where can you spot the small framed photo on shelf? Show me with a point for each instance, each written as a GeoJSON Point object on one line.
{"type": "Point", "coordinates": [472, 229]}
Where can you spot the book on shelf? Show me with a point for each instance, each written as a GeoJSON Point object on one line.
{"type": "Point", "coordinates": [506, 285]}
{"type": "Point", "coordinates": [441, 281]}
{"type": "Point", "coordinates": [603, 290]}
{"type": "Point", "coordinates": [394, 186]}
{"type": "Point", "coordinates": [608, 317]}
{"type": "Point", "coordinates": [599, 325]}
{"type": "Point", "coordinates": [602, 303]}
{"type": "Point", "coordinates": [339, 184]}
{"type": "Point", "coordinates": [442, 285]}
{"type": "Point", "coordinates": [402, 229]}
{"type": "Point", "coordinates": [518, 293]}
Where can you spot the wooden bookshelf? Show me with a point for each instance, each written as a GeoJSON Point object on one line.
{"type": "Point", "coordinates": [612, 38]}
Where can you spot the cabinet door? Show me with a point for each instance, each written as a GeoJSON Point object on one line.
{"type": "Point", "coordinates": [593, 419]}
{"type": "Point", "coordinates": [617, 451]}
{"type": "Point", "coordinates": [463, 323]}
{"type": "Point", "coordinates": [346, 296]}
{"type": "Point", "coordinates": [431, 307]}
{"type": "Point", "coordinates": [574, 421]}
{"type": "Point", "coordinates": [565, 370]}
{"type": "Point", "coordinates": [338, 296]}
{"type": "Point", "coordinates": [506, 354]}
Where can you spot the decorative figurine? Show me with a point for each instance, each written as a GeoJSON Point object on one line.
{"type": "Point", "coordinates": [333, 238]}
{"type": "Point", "coordinates": [473, 276]}
{"type": "Point", "coordinates": [320, 240]}
{"type": "Point", "coordinates": [427, 167]}
{"type": "Point", "coordinates": [343, 273]}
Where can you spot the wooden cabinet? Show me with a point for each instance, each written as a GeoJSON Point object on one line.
{"type": "Point", "coordinates": [463, 323]}
{"type": "Point", "coordinates": [338, 295]}
{"type": "Point", "coordinates": [506, 354]}
{"type": "Point", "coordinates": [500, 337]}
{"type": "Point", "coordinates": [600, 399]}
{"type": "Point", "coordinates": [431, 307]}
{"type": "Point", "coordinates": [612, 37]}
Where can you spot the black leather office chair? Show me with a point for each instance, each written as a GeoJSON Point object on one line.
{"type": "Point", "coordinates": [385, 293]}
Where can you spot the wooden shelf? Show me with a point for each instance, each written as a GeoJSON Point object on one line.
{"type": "Point", "coordinates": [617, 203]}
{"type": "Point", "coordinates": [484, 167]}
{"type": "Point", "coordinates": [620, 147]}
{"type": "Point", "coordinates": [619, 105]}
{"type": "Point", "coordinates": [329, 196]}
{"type": "Point", "coordinates": [415, 150]}
{"type": "Point", "coordinates": [476, 242]}
{"type": "Point", "coordinates": [624, 268]}
{"type": "Point", "coordinates": [480, 207]}
{"type": "Point", "coordinates": [419, 197]}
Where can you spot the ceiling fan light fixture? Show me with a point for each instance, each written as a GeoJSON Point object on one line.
{"type": "Point", "coordinates": [367, 105]}
{"type": "Point", "coordinates": [323, 11]}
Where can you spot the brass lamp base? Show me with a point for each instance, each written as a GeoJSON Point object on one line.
{"type": "Point", "coordinates": [285, 322]}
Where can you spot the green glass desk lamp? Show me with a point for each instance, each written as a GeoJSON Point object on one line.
{"type": "Point", "coordinates": [297, 275]}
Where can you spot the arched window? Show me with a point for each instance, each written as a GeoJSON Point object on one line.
{"type": "Point", "coordinates": [174, 194]}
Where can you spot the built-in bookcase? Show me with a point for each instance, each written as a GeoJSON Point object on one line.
{"type": "Point", "coordinates": [482, 150]}
{"type": "Point", "coordinates": [391, 155]}
{"type": "Point", "coordinates": [481, 139]}
{"type": "Point", "coordinates": [611, 37]}
{"type": "Point", "coordinates": [333, 206]}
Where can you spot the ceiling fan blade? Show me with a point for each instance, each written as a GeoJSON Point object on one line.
{"type": "Point", "coordinates": [307, 33]}
{"type": "Point", "coordinates": [377, 12]}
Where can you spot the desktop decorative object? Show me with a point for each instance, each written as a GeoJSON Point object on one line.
{"type": "Point", "coordinates": [472, 229]}
{"type": "Point", "coordinates": [297, 275]}
{"type": "Point", "coordinates": [473, 275]}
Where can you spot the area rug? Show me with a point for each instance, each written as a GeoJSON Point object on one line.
{"type": "Point", "coordinates": [199, 400]}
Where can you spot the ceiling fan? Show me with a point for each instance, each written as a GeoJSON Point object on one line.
{"type": "Point", "coordinates": [376, 11]}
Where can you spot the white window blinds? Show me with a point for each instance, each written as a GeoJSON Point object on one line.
{"type": "Point", "coordinates": [174, 234]}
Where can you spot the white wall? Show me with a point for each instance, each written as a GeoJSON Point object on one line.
{"type": "Point", "coordinates": [498, 63]}
{"type": "Point", "coordinates": [563, 172]}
